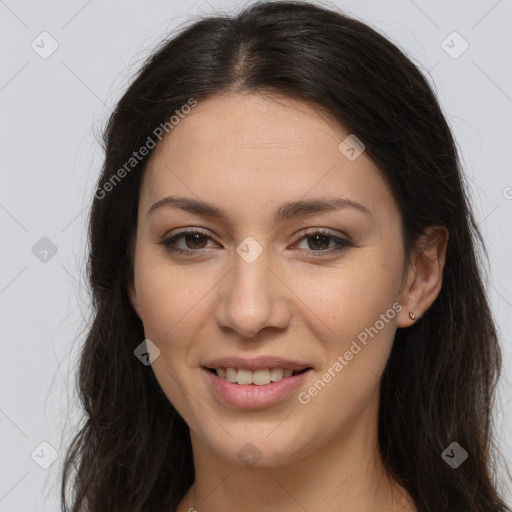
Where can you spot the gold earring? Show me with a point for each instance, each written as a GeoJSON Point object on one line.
{"type": "Point", "coordinates": [412, 315]}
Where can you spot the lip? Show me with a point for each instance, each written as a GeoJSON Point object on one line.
{"type": "Point", "coordinates": [251, 396]}
{"type": "Point", "coordinates": [255, 363]}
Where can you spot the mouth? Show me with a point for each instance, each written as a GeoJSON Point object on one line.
{"type": "Point", "coordinates": [257, 388]}
{"type": "Point", "coordinates": [260, 377]}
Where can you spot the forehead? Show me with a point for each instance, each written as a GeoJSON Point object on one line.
{"type": "Point", "coordinates": [239, 126]}
{"type": "Point", "coordinates": [250, 150]}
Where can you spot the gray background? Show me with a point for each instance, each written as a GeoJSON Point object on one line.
{"type": "Point", "coordinates": [52, 110]}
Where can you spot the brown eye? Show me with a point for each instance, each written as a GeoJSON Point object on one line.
{"type": "Point", "coordinates": [194, 241]}
{"type": "Point", "coordinates": [320, 241]}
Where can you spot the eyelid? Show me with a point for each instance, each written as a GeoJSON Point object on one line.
{"type": "Point", "coordinates": [342, 241]}
{"type": "Point", "coordinates": [182, 232]}
{"type": "Point", "coordinates": [187, 229]}
{"type": "Point", "coordinates": [307, 232]}
{"type": "Point", "coordinates": [327, 232]}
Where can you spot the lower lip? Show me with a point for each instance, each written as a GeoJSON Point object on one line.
{"type": "Point", "coordinates": [251, 396]}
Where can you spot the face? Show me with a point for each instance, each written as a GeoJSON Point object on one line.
{"type": "Point", "coordinates": [259, 284]}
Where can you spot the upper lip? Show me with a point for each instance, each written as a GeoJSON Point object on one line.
{"type": "Point", "coordinates": [256, 363]}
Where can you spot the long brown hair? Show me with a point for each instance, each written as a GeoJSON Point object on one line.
{"type": "Point", "coordinates": [133, 452]}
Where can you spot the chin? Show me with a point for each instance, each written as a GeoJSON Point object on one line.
{"type": "Point", "coordinates": [253, 446]}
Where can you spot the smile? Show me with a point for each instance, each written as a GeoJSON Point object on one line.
{"type": "Point", "coordinates": [260, 377]}
{"type": "Point", "coordinates": [254, 390]}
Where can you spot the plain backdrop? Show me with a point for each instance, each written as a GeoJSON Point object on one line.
{"type": "Point", "coordinates": [53, 106]}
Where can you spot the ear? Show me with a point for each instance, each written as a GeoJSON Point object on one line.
{"type": "Point", "coordinates": [424, 276]}
{"type": "Point", "coordinates": [132, 295]}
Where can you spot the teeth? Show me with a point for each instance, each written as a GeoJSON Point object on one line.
{"type": "Point", "coordinates": [231, 374]}
{"type": "Point", "coordinates": [276, 374]}
{"type": "Point", "coordinates": [258, 377]}
{"type": "Point", "coordinates": [244, 377]}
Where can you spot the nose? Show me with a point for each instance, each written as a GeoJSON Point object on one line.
{"type": "Point", "coordinates": [252, 297]}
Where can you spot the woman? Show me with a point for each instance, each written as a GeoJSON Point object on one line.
{"type": "Point", "coordinates": [288, 307]}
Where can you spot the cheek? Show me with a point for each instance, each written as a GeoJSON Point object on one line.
{"type": "Point", "coordinates": [356, 303]}
{"type": "Point", "coordinates": [166, 297]}
{"type": "Point", "coordinates": [170, 305]}
{"type": "Point", "coordinates": [351, 297]}
{"type": "Point", "coordinates": [359, 313]}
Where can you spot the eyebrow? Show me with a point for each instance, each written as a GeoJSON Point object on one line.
{"type": "Point", "coordinates": [285, 211]}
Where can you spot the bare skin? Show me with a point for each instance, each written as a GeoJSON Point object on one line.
{"type": "Point", "coordinates": [300, 299]}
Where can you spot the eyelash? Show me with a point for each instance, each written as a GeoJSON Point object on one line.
{"type": "Point", "coordinates": [341, 243]}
